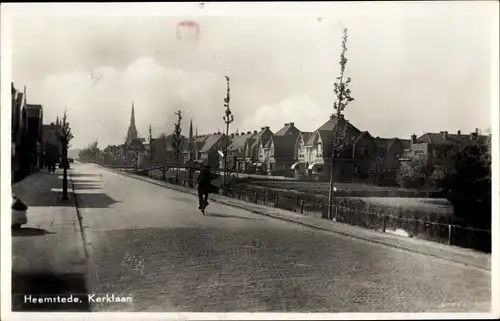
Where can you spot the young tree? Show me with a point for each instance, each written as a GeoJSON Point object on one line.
{"type": "Point", "coordinates": [65, 136]}
{"type": "Point", "coordinates": [177, 143]}
{"type": "Point", "coordinates": [190, 151]}
{"type": "Point", "coordinates": [151, 146]}
{"type": "Point", "coordinates": [343, 98]}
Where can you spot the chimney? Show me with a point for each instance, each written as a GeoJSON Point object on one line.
{"type": "Point", "coordinates": [255, 132]}
{"type": "Point", "coordinates": [249, 132]}
{"type": "Point", "coordinates": [286, 124]}
{"type": "Point", "coordinates": [292, 124]}
{"type": "Point", "coordinates": [262, 128]}
{"type": "Point", "coordinates": [444, 134]}
{"type": "Point", "coordinates": [477, 131]}
{"type": "Point", "coordinates": [332, 116]}
{"type": "Point", "coordinates": [459, 132]}
{"type": "Point", "coordinates": [267, 127]}
{"type": "Point", "coordinates": [473, 135]}
{"type": "Point", "coordinates": [413, 139]}
{"type": "Point", "coordinates": [218, 133]}
{"type": "Point", "coordinates": [232, 135]}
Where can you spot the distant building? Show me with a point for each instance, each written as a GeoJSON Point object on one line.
{"type": "Point", "coordinates": [255, 156]}
{"type": "Point", "coordinates": [438, 148]}
{"type": "Point", "coordinates": [236, 150]}
{"type": "Point", "coordinates": [281, 149]}
{"type": "Point", "coordinates": [26, 135]}
{"type": "Point", "coordinates": [134, 148]}
{"type": "Point", "coordinates": [51, 145]}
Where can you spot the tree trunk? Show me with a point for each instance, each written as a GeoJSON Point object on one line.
{"type": "Point", "coordinates": [190, 178]}
{"type": "Point", "coordinates": [177, 170]}
{"type": "Point", "coordinates": [65, 174]}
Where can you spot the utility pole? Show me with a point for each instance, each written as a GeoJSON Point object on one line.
{"type": "Point", "coordinates": [343, 97]}
{"type": "Point", "coordinates": [228, 119]}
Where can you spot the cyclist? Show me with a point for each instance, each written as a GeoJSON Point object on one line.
{"type": "Point", "coordinates": [205, 185]}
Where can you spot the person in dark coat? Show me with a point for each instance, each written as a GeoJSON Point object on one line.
{"type": "Point", "coordinates": [205, 185]}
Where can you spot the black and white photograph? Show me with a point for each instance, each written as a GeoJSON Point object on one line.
{"type": "Point", "coordinates": [250, 160]}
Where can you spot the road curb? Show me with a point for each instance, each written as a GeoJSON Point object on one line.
{"type": "Point", "coordinates": [292, 220]}
{"type": "Point", "coordinates": [85, 242]}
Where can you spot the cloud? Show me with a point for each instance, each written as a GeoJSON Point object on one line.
{"type": "Point", "coordinates": [299, 109]}
{"type": "Point", "coordinates": [99, 101]}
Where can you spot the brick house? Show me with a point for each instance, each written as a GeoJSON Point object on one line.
{"type": "Point", "coordinates": [236, 150]}
{"type": "Point", "coordinates": [440, 147]}
{"type": "Point", "coordinates": [364, 155]}
{"type": "Point", "coordinates": [253, 161]}
{"type": "Point", "coordinates": [278, 154]}
{"type": "Point", "coordinates": [315, 155]}
{"type": "Point", "coordinates": [33, 137]}
{"type": "Point", "coordinates": [209, 153]}
{"type": "Point", "coordinates": [390, 150]}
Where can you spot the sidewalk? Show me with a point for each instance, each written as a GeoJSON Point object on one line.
{"type": "Point", "coordinates": [451, 253]}
{"type": "Point", "coordinates": [47, 253]}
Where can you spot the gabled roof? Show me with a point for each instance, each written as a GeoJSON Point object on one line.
{"type": "Point", "coordinates": [406, 143]}
{"type": "Point", "coordinates": [288, 129]}
{"type": "Point", "coordinates": [211, 142]}
{"type": "Point", "coordinates": [386, 142]}
{"type": "Point", "coordinates": [332, 122]}
{"type": "Point", "coordinates": [305, 136]}
{"type": "Point", "coordinates": [312, 138]}
{"type": "Point", "coordinates": [238, 141]}
{"type": "Point", "coordinates": [450, 140]}
{"type": "Point", "coordinates": [360, 136]}
{"type": "Point", "coordinates": [256, 138]}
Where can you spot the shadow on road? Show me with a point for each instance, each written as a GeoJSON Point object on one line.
{"type": "Point", "coordinates": [29, 231]}
{"type": "Point", "coordinates": [48, 286]}
{"type": "Point", "coordinates": [85, 175]}
{"type": "Point", "coordinates": [86, 186]}
{"type": "Point", "coordinates": [85, 181]}
{"type": "Point", "coordinates": [232, 216]}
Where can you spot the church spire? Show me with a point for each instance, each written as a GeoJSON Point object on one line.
{"type": "Point", "coordinates": [132, 116]}
{"type": "Point", "coordinates": [132, 130]}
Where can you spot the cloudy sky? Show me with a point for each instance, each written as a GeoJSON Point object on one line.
{"type": "Point", "coordinates": [415, 67]}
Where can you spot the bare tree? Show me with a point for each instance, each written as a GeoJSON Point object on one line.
{"type": "Point", "coordinates": [343, 97]}
{"type": "Point", "coordinates": [65, 136]}
{"type": "Point", "coordinates": [177, 143]}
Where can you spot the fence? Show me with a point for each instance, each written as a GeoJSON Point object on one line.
{"type": "Point", "coordinates": [419, 224]}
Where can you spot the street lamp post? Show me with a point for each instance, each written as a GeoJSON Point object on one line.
{"type": "Point", "coordinates": [228, 119]}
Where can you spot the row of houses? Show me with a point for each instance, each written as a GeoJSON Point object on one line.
{"type": "Point", "coordinates": [292, 152]}
{"type": "Point", "coordinates": [33, 143]}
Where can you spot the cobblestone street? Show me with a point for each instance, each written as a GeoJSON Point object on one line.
{"type": "Point", "coordinates": [153, 244]}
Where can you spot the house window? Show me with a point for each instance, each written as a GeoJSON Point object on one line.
{"type": "Point", "coordinates": [319, 169]}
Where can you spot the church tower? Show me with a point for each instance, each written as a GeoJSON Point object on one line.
{"type": "Point", "coordinates": [132, 131]}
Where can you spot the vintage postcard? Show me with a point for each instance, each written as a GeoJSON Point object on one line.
{"type": "Point", "coordinates": [333, 160]}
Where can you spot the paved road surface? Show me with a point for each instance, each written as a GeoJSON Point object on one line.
{"type": "Point", "coordinates": [152, 243]}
